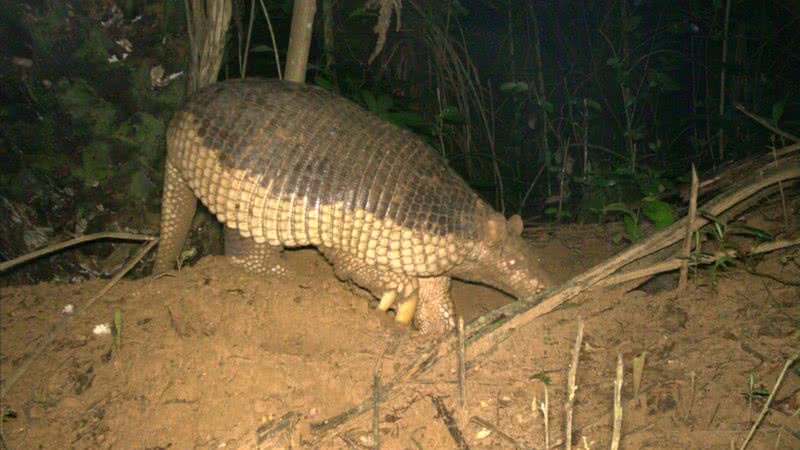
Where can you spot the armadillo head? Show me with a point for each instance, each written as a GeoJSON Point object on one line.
{"type": "Point", "coordinates": [504, 260]}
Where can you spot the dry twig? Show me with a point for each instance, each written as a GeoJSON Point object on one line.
{"type": "Point", "coordinates": [766, 124]}
{"type": "Point", "coordinates": [267, 431]}
{"type": "Point", "coordinates": [617, 431]}
{"type": "Point", "coordinates": [789, 363]}
{"type": "Point", "coordinates": [572, 387]}
{"type": "Point", "coordinates": [687, 243]}
{"type": "Point", "coordinates": [5, 265]}
{"type": "Point", "coordinates": [462, 369]}
{"type": "Point", "coordinates": [673, 264]}
{"type": "Point", "coordinates": [450, 422]}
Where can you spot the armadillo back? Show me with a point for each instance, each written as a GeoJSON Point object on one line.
{"type": "Point", "coordinates": [295, 165]}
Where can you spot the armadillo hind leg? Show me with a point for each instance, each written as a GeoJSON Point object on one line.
{"type": "Point", "coordinates": [435, 312]}
{"type": "Point", "coordinates": [254, 257]}
{"type": "Point", "coordinates": [178, 204]}
{"type": "Point", "coordinates": [393, 289]}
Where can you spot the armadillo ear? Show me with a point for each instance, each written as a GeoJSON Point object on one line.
{"type": "Point", "coordinates": [495, 228]}
{"type": "Point", "coordinates": [515, 225]}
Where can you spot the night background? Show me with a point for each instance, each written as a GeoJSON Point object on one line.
{"type": "Point", "coordinates": [569, 113]}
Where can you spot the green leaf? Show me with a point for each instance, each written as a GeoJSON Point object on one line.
{"type": "Point", "coordinates": [543, 377]}
{"type": "Point", "coordinates": [377, 104]}
{"type": "Point", "coordinates": [777, 110]}
{"type": "Point", "coordinates": [659, 212]}
{"type": "Point", "coordinates": [757, 233]}
{"type": "Point", "coordinates": [324, 83]}
{"type": "Point", "coordinates": [547, 106]}
{"type": "Point", "coordinates": [451, 114]}
{"type": "Point", "coordinates": [261, 49]}
{"type": "Point", "coordinates": [149, 136]}
{"type": "Point", "coordinates": [140, 186]}
{"type": "Point", "coordinates": [632, 23]}
{"type": "Point", "coordinates": [404, 118]}
{"type": "Point", "coordinates": [369, 101]}
{"type": "Point", "coordinates": [514, 87]}
{"type": "Point", "coordinates": [618, 207]}
{"type": "Point", "coordinates": [89, 110]}
{"type": "Point", "coordinates": [117, 329]}
{"type": "Point", "coordinates": [96, 165]}
{"type": "Point", "coordinates": [593, 104]}
{"type": "Point", "coordinates": [632, 231]}
{"type": "Point", "coordinates": [385, 103]}
{"type": "Point", "coordinates": [663, 81]}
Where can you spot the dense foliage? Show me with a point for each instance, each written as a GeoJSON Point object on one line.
{"type": "Point", "coordinates": [571, 110]}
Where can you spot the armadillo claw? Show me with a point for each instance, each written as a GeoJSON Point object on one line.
{"type": "Point", "coordinates": [406, 310]}
{"type": "Point", "coordinates": [387, 299]}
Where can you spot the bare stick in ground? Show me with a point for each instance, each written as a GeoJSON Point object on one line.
{"type": "Point", "coordinates": [783, 197]}
{"type": "Point", "coordinates": [269, 430]}
{"type": "Point", "coordinates": [78, 240]}
{"type": "Point", "coordinates": [789, 363]}
{"type": "Point", "coordinates": [544, 407]}
{"type": "Point", "coordinates": [376, 414]}
{"type": "Point", "coordinates": [376, 396]}
{"type": "Point", "coordinates": [572, 387]}
{"type": "Point", "coordinates": [462, 370]}
{"type": "Point", "coordinates": [450, 423]}
{"type": "Point", "coordinates": [57, 330]}
{"type": "Point", "coordinates": [687, 242]}
{"type": "Point", "coordinates": [617, 432]}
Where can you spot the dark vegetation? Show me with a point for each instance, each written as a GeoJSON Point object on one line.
{"type": "Point", "coordinates": [568, 111]}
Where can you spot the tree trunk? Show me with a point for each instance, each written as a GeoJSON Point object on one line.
{"type": "Point", "coordinates": [207, 23]}
{"type": "Point", "coordinates": [300, 40]}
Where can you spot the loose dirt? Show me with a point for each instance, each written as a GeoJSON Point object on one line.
{"type": "Point", "coordinates": [209, 354]}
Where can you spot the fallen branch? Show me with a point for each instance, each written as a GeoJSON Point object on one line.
{"type": "Point", "coordinates": [78, 240]}
{"type": "Point", "coordinates": [687, 242]}
{"type": "Point", "coordinates": [9, 383]}
{"type": "Point", "coordinates": [765, 123]}
{"type": "Point", "coordinates": [514, 315]}
{"type": "Point", "coordinates": [674, 264]}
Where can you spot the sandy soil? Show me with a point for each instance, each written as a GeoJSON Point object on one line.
{"type": "Point", "coordinates": [210, 354]}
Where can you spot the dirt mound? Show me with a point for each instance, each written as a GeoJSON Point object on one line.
{"type": "Point", "coordinates": [212, 353]}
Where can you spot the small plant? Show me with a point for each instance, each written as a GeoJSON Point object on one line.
{"type": "Point", "coordinates": [649, 207]}
{"type": "Point", "coordinates": [383, 106]}
{"type": "Point", "coordinates": [719, 232]}
{"type": "Point", "coordinates": [634, 195]}
{"type": "Point", "coordinates": [186, 256]}
{"type": "Point", "coordinates": [117, 330]}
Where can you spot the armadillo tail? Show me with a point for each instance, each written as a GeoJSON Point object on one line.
{"type": "Point", "coordinates": [178, 204]}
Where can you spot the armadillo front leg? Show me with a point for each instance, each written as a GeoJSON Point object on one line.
{"type": "Point", "coordinates": [393, 289]}
{"type": "Point", "coordinates": [255, 257]}
{"type": "Point", "coordinates": [425, 300]}
{"type": "Point", "coordinates": [435, 312]}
